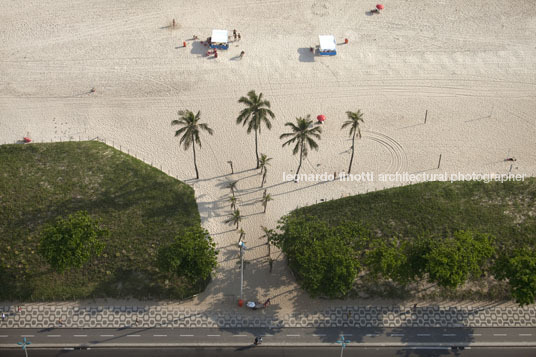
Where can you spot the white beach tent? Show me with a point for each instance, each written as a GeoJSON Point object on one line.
{"type": "Point", "coordinates": [219, 36]}
{"type": "Point", "coordinates": [327, 44]}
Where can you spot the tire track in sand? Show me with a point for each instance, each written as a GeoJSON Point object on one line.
{"type": "Point", "coordinates": [398, 158]}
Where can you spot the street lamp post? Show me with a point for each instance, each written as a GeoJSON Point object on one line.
{"type": "Point", "coordinates": [343, 343]}
{"type": "Point", "coordinates": [242, 246]}
{"type": "Point", "coordinates": [23, 344]}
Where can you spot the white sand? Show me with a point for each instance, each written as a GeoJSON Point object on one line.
{"type": "Point", "coordinates": [470, 64]}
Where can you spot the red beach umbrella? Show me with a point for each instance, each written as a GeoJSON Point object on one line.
{"type": "Point", "coordinates": [379, 7]}
{"type": "Point", "coordinates": [321, 117]}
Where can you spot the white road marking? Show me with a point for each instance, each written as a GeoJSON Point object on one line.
{"type": "Point", "coordinates": [133, 335]}
{"type": "Point", "coordinates": [499, 334]}
{"type": "Point", "coordinates": [160, 335]}
{"type": "Point", "coordinates": [213, 335]}
{"type": "Point", "coordinates": [427, 348]}
{"type": "Point", "coordinates": [475, 334]}
{"type": "Point", "coordinates": [293, 335]}
{"type": "Point", "coordinates": [266, 335]}
{"type": "Point", "coordinates": [53, 335]}
{"type": "Point", "coordinates": [372, 334]}
{"type": "Point", "coordinates": [318, 335]}
{"type": "Point", "coordinates": [80, 335]}
{"type": "Point", "coordinates": [3, 335]}
{"type": "Point", "coordinates": [107, 335]}
{"type": "Point", "coordinates": [240, 335]}
{"type": "Point", "coordinates": [26, 335]}
{"type": "Point", "coordinates": [525, 334]}
{"type": "Point", "coordinates": [186, 335]}
{"type": "Point", "coordinates": [397, 334]}
{"type": "Point", "coordinates": [423, 334]}
{"type": "Point", "coordinates": [449, 334]}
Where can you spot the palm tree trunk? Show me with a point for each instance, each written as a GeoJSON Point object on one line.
{"type": "Point", "coordinates": [256, 149]}
{"type": "Point", "coordinates": [301, 157]}
{"type": "Point", "coordinates": [352, 157]}
{"type": "Point", "coordinates": [195, 161]}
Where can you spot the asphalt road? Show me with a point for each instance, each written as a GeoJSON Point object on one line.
{"type": "Point", "coordinates": [275, 351]}
{"type": "Point", "coordinates": [306, 337]}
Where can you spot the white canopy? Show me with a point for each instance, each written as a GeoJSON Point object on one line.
{"type": "Point", "coordinates": [219, 36]}
{"type": "Point", "coordinates": [327, 43]}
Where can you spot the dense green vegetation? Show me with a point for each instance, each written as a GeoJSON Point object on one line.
{"type": "Point", "coordinates": [446, 233]}
{"type": "Point", "coordinates": [141, 208]}
{"type": "Point", "coordinates": [71, 242]}
{"type": "Point", "coordinates": [191, 255]}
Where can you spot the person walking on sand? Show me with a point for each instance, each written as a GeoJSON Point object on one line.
{"type": "Point", "coordinates": [239, 37]}
{"type": "Point", "coordinates": [234, 34]}
{"type": "Point", "coordinates": [267, 303]}
{"type": "Point", "coordinates": [242, 54]}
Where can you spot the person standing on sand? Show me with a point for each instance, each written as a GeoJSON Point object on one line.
{"type": "Point", "coordinates": [239, 37]}
{"type": "Point", "coordinates": [234, 34]}
{"type": "Point", "coordinates": [242, 54]}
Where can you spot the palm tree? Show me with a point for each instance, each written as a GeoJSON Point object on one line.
{"type": "Point", "coordinates": [232, 186]}
{"type": "Point", "coordinates": [268, 234]}
{"type": "Point", "coordinates": [257, 111]}
{"type": "Point", "coordinates": [265, 201]}
{"type": "Point", "coordinates": [190, 131]}
{"type": "Point", "coordinates": [302, 134]}
{"type": "Point", "coordinates": [264, 177]}
{"type": "Point", "coordinates": [235, 218]}
{"type": "Point", "coordinates": [232, 199]}
{"type": "Point", "coordinates": [353, 122]}
{"type": "Point", "coordinates": [264, 161]}
{"type": "Point", "coordinates": [242, 235]}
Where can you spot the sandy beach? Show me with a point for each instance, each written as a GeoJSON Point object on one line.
{"type": "Point", "coordinates": [468, 67]}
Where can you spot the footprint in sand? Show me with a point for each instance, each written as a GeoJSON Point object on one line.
{"type": "Point", "coordinates": [320, 9]}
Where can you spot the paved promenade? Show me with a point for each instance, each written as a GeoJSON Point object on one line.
{"type": "Point", "coordinates": [43, 316]}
